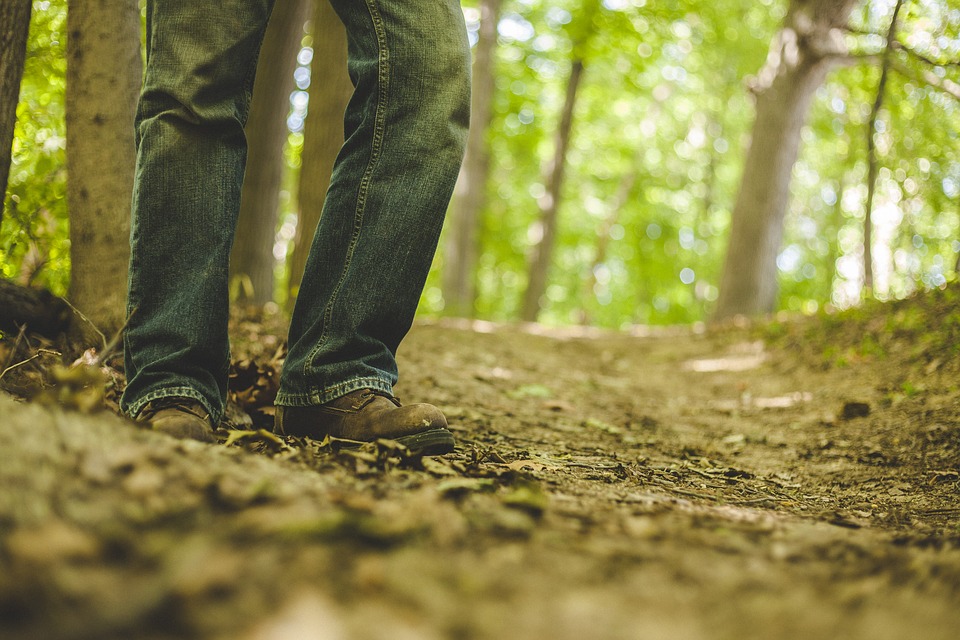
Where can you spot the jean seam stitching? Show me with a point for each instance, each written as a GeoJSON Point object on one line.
{"type": "Point", "coordinates": [334, 392]}
{"type": "Point", "coordinates": [171, 392]}
{"type": "Point", "coordinates": [376, 145]}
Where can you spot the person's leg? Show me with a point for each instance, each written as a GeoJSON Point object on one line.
{"type": "Point", "coordinates": [201, 59]}
{"type": "Point", "coordinates": [405, 134]}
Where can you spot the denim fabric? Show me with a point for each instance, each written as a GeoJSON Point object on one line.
{"type": "Point", "coordinates": [405, 132]}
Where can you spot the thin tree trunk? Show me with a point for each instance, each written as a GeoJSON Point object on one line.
{"type": "Point", "coordinates": [330, 90]}
{"type": "Point", "coordinates": [800, 57]}
{"type": "Point", "coordinates": [872, 162]}
{"type": "Point", "coordinates": [710, 181]}
{"type": "Point", "coordinates": [624, 188]}
{"type": "Point", "coordinates": [956, 265]}
{"type": "Point", "coordinates": [542, 253]}
{"type": "Point", "coordinates": [469, 197]}
{"type": "Point", "coordinates": [252, 261]}
{"type": "Point", "coordinates": [836, 223]}
{"type": "Point", "coordinates": [103, 81]}
{"type": "Point", "coordinates": [14, 27]}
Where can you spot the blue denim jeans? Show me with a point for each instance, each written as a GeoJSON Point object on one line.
{"type": "Point", "coordinates": [405, 132]}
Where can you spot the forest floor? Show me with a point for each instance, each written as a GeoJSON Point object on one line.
{"type": "Point", "coordinates": [797, 479]}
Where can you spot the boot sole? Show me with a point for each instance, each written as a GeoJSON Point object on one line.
{"type": "Point", "coordinates": [433, 442]}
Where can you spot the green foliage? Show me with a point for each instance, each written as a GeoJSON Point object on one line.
{"type": "Point", "coordinates": [918, 190]}
{"type": "Point", "coordinates": [920, 332]}
{"type": "Point", "coordinates": [661, 126]}
{"type": "Point", "coordinates": [654, 162]}
{"type": "Point", "coordinates": [34, 237]}
{"type": "Point", "coordinates": [664, 110]}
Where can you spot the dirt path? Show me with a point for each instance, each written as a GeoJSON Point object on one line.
{"type": "Point", "coordinates": [606, 486]}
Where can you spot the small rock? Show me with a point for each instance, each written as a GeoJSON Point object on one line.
{"type": "Point", "coordinates": [853, 410]}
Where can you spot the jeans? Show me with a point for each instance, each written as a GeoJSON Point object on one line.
{"type": "Point", "coordinates": [405, 131]}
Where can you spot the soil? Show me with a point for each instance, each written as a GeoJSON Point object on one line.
{"type": "Point", "coordinates": [794, 480]}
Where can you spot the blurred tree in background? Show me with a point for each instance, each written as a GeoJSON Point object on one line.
{"type": "Point", "coordinates": [805, 49]}
{"type": "Point", "coordinates": [103, 82]}
{"type": "Point", "coordinates": [251, 261]}
{"type": "Point", "coordinates": [14, 26]}
{"type": "Point", "coordinates": [652, 162]}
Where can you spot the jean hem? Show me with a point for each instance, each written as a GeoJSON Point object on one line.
{"type": "Point", "coordinates": [134, 408]}
{"type": "Point", "coordinates": [328, 394]}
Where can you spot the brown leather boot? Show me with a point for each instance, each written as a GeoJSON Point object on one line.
{"type": "Point", "coordinates": [367, 415]}
{"type": "Point", "coordinates": [182, 418]}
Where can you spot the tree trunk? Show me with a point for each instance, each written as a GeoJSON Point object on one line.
{"type": "Point", "coordinates": [624, 189]}
{"type": "Point", "coordinates": [14, 27]}
{"type": "Point", "coordinates": [469, 198]}
{"type": "Point", "coordinates": [37, 309]}
{"type": "Point", "coordinates": [252, 261]}
{"type": "Point", "coordinates": [833, 239]}
{"type": "Point", "coordinates": [872, 161]}
{"type": "Point", "coordinates": [801, 55]}
{"type": "Point", "coordinates": [103, 79]}
{"type": "Point", "coordinates": [542, 252]}
{"type": "Point", "coordinates": [323, 131]}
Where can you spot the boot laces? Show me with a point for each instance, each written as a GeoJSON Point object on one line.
{"type": "Point", "coordinates": [369, 395]}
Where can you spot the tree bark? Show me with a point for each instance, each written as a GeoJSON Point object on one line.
{"type": "Point", "coordinates": [469, 197]}
{"type": "Point", "coordinates": [38, 309]}
{"type": "Point", "coordinates": [14, 27]}
{"type": "Point", "coordinates": [330, 90]}
{"type": "Point", "coordinates": [103, 80]}
{"type": "Point", "coordinates": [801, 55]}
{"type": "Point", "coordinates": [252, 261]}
{"type": "Point", "coordinates": [542, 252]}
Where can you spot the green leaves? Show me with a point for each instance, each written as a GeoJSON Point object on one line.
{"type": "Point", "coordinates": [662, 123]}
{"type": "Point", "coordinates": [34, 235]}
{"type": "Point", "coordinates": [661, 126]}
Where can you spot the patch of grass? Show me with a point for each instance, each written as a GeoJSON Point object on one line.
{"type": "Point", "coordinates": [916, 330]}
{"type": "Point", "coordinates": [910, 389]}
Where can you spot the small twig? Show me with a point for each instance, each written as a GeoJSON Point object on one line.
{"type": "Point", "coordinates": [940, 512]}
{"type": "Point", "coordinates": [899, 46]}
{"type": "Point", "coordinates": [16, 345]}
{"type": "Point", "coordinates": [872, 161]}
{"type": "Point", "coordinates": [693, 494]}
{"type": "Point", "coordinates": [40, 352]}
{"type": "Point", "coordinates": [702, 474]}
{"type": "Point", "coordinates": [595, 467]}
{"type": "Point", "coordinates": [114, 341]}
{"type": "Point", "coordinates": [103, 338]}
{"type": "Point", "coordinates": [759, 500]}
{"type": "Point", "coordinates": [857, 32]}
{"type": "Point", "coordinates": [947, 86]}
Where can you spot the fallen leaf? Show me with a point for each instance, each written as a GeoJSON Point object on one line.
{"type": "Point", "coordinates": [526, 465]}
